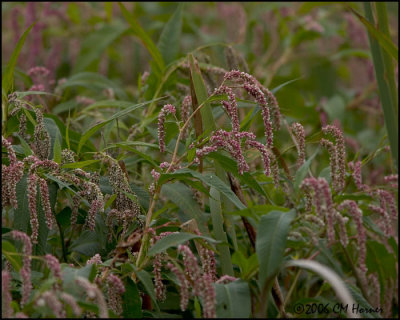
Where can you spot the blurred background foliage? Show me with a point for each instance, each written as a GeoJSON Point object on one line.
{"type": "Point", "coordinates": [319, 50]}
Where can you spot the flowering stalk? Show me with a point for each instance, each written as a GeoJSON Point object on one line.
{"type": "Point", "coordinates": [168, 108]}
{"type": "Point", "coordinates": [298, 132]}
{"type": "Point", "coordinates": [184, 286]}
{"type": "Point", "coordinates": [26, 268]}
{"type": "Point", "coordinates": [340, 156]}
{"type": "Point", "coordinates": [356, 213]}
{"type": "Point", "coordinates": [6, 294]}
{"type": "Point", "coordinates": [115, 289]}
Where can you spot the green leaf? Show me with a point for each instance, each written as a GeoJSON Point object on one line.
{"type": "Point", "coordinates": [80, 164]}
{"type": "Point", "coordinates": [182, 196]}
{"type": "Point", "coordinates": [233, 300]}
{"type": "Point", "coordinates": [230, 165]}
{"type": "Point", "coordinates": [69, 275]}
{"type": "Point", "coordinates": [173, 240]}
{"type": "Point", "coordinates": [218, 228]}
{"type": "Point", "coordinates": [8, 75]}
{"type": "Point", "coordinates": [145, 279]}
{"type": "Point", "coordinates": [94, 45]}
{"type": "Point", "coordinates": [57, 150]}
{"type": "Point", "coordinates": [93, 81]}
{"type": "Point", "coordinates": [201, 95]}
{"type": "Point", "coordinates": [142, 35]}
{"type": "Point", "coordinates": [8, 250]}
{"type": "Point", "coordinates": [271, 243]}
{"type": "Point", "coordinates": [131, 301]}
{"type": "Point", "coordinates": [27, 149]}
{"type": "Point", "coordinates": [381, 261]}
{"type": "Point", "coordinates": [121, 113]}
{"type": "Point", "coordinates": [170, 36]}
{"type": "Point", "coordinates": [108, 104]}
{"type": "Point", "coordinates": [209, 179]}
{"type": "Point", "coordinates": [385, 42]}
{"type": "Point", "coordinates": [54, 133]}
{"type": "Point", "coordinates": [21, 214]}
{"type": "Point", "coordinates": [87, 243]}
{"type": "Point", "coordinates": [303, 170]}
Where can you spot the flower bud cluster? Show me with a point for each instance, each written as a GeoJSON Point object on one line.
{"type": "Point", "coordinates": [126, 210]}
{"type": "Point", "coordinates": [339, 153]}
{"type": "Point", "coordinates": [184, 285]}
{"type": "Point", "coordinates": [392, 180]}
{"type": "Point", "coordinates": [168, 108]}
{"type": "Point", "coordinates": [324, 205]}
{"type": "Point", "coordinates": [76, 309]}
{"type": "Point", "coordinates": [115, 289]}
{"type": "Point", "coordinates": [226, 279]}
{"type": "Point", "coordinates": [93, 292]}
{"type": "Point", "coordinates": [11, 175]}
{"type": "Point", "coordinates": [356, 213]}
{"type": "Point", "coordinates": [54, 265]}
{"type": "Point", "coordinates": [185, 111]}
{"type": "Point", "coordinates": [6, 294]}
{"type": "Point", "coordinates": [25, 271]}
{"type": "Point", "coordinates": [41, 142]}
{"type": "Point", "coordinates": [298, 132]}
{"type": "Point", "coordinates": [201, 282]}
{"type": "Point", "coordinates": [356, 173]}
{"type": "Point", "coordinates": [96, 259]}
{"type": "Point", "coordinates": [50, 299]}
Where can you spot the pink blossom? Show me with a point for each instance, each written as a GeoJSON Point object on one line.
{"type": "Point", "coordinates": [209, 297]}
{"type": "Point", "coordinates": [96, 259]}
{"type": "Point", "coordinates": [168, 108]}
{"type": "Point", "coordinates": [50, 299]}
{"type": "Point", "coordinates": [72, 302]}
{"type": "Point", "coordinates": [44, 192]}
{"type": "Point", "coordinates": [54, 265]}
{"type": "Point", "coordinates": [115, 289]}
{"type": "Point", "coordinates": [356, 213]}
{"type": "Point", "coordinates": [226, 279]}
{"type": "Point", "coordinates": [32, 191]}
{"type": "Point", "coordinates": [184, 286]}
{"type": "Point", "coordinates": [185, 111]}
{"type": "Point", "coordinates": [298, 132]}
{"type": "Point", "coordinates": [7, 310]}
{"type": "Point", "coordinates": [356, 168]}
{"type": "Point", "coordinates": [26, 268]}
{"type": "Point", "coordinates": [340, 155]}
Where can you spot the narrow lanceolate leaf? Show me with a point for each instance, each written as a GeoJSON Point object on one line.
{"type": "Point", "coordinates": [233, 300]}
{"type": "Point", "coordinates": [271, 243]}
{"type": "Point", "coordinates": [8, 75]}
{"type": "Point", "coordinates": [219, 233]}
{"type": "Point", "coordinates": [389, 111]}
{"type": "Point", "coordinates": [201, 95]}
{"type": "Point", "coordinates": [182, 196]}
{"type": "Point", "coordinates": [385, 42]}
{"type": "Point", "coordinates": [170, 36]}
{"type": "Point", "coordinates": [142, 35]}
{"type": "Point", "coordinates": [121, 113]}
{"type": "Point", "coordinates": [209, 179]}
{"type": "Point", "coordinates": [173, 240]}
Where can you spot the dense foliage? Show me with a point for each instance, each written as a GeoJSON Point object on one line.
{"type": "Point", "coordinates": [199, 160]}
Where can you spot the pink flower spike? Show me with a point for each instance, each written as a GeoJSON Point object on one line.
{"type": "Point", "coordinates": [7, 310]}
{"type": "Point", "coordinates": [168, 108]}
{"type": "Point", "coordinates": [184, 288]}
{"type": "Point", "coordinates": [356, 213]}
